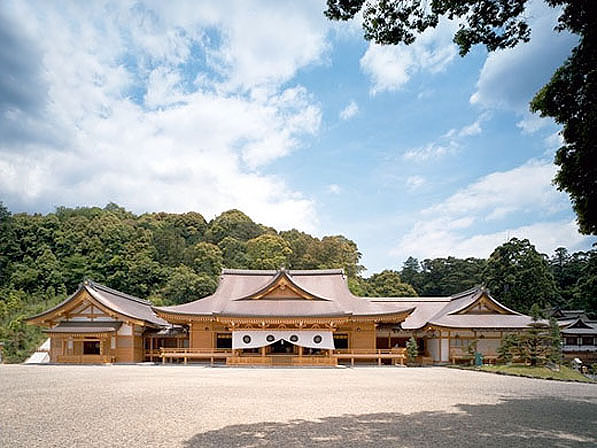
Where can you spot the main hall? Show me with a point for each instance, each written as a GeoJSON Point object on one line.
{"type": "Point", "coordinates": [284, 317]}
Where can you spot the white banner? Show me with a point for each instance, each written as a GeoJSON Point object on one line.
{"type": "Point", "coordinates": [261, 338]}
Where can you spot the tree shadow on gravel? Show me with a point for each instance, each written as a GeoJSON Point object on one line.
{"type": "Point", "coordinates": [528, 422]}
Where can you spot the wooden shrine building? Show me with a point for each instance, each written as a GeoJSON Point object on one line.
{"type": "Point", "coordinates": [276, 318]}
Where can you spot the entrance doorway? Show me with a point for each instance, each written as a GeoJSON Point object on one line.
{"type": "Point", "coordinates": [282, 347]}
{"type": "Point", "coordinates": [91, 347]}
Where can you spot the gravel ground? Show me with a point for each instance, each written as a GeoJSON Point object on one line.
{"type": "Point", "coordinates": [194, 406]}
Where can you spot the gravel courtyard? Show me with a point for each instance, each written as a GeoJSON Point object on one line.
{"type": "Point", "coordinates": [193, 406]}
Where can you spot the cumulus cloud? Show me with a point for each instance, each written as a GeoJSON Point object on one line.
{"type": "Point", "coordinates": [455, 226]}
{"type": "Point", "coordinates": [415, 182]}
{"type": "Point", "coordinates": [510, 78]}
{"type": "Point", "coordinates": [349, 111]}
{"type": "Point", "coordinates": [391, 67]}
{"type": "Point", "coordinates": [157, 107]}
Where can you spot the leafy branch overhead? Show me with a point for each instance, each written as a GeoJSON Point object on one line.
{"type": "Point", "coordinates": [495, 24]}
{"type": "Point", "coordinates": [570, 97]}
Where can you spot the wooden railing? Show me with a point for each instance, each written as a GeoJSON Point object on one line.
{"type": "Point", "coordinates": [326, 357]}
{"type": "Point", "coordinates": [194, 353]}
{"type": "Point", "coordinates": [393, 354]}
{"type": "Point", "coordinates": [85, 359]}
{"type": "Point", "coordinates": [459, 354]}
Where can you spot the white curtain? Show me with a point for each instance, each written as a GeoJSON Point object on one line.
{"type": "Point", "coordinates": [261, 338]}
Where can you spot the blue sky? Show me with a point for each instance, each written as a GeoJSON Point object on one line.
{"type": "Point", "coordinates": [297, 121]}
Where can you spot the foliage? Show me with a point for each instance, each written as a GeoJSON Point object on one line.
{"type": "Point", "coordinates": [570, 97]}
{"type": "Point", "coordinates": [508, 346]}
{"type": "Point", "coordinates": [412, 349]}
{"type": "Point", "coordinates": [268, 252]}
{"type": "Point", "coordinates": [519, 276]}
{"type": "Point", "coordinates": [564, 373]}
{"type": "Point", "coordinates": [446, 276]}
{"type": "Point", "coordinates": [388, 284]}
{"type": "Point", "coordinates": [167, 257]}
{"type": "Point", "coordinates": [555, 352]}
{"type": "Point", "coordinates": [184, 285]}
{"type": "Point", "coordinates": [536, 346]}
{"type": "Point", "coordinates": [494, 24]}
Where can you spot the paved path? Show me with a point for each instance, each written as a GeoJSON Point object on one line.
{"type": "Point", "coordinates": [176, 406]}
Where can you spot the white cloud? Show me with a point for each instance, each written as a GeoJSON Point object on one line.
{"type": "Point", "coordinates": [415, 182]}
{"type": "Point", "coordinates": [531, 123]}
{"type": "Point", "coordinates": [390, 67]}
{"type": "Point", "coordinates": [135, 127]}
{"type": "Point", "coordinates": [510, 78]}
{"type": "Point", "coordinates": [430, 151]}
{"type": "Point", "coordinates": [523, 187]}
{"type": "Point", "coordinates": [454, 226]}
{"type": "Point", "coordinates": [349, 111]}
{"type": "Point", "coordinates": [334, 189]}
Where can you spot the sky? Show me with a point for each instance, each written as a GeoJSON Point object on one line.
{"type": "Point", "coordinates": [299, 122]}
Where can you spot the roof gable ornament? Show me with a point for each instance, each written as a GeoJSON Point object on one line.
{"type": "Point", "coordinates": [282, 287]}
{"type": "Point", "coordinates": [484, 304]}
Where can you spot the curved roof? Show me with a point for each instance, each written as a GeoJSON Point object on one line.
{"type": "Point", "coordinates": [451, 311]}
{"type": "Point", "coordinates": [326, 294]}
{"type": "Point", "coordinates": [119, 302]}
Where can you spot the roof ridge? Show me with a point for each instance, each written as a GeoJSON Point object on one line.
{"type": "Point", "coordinates": [467, 292]}
{"type": "Point", "coordinates": [276, 271]}
{"type": "Point", "coordinates": [105, 288]}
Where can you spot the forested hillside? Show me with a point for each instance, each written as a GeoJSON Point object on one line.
{"type": "Point", "coordinates": [174, 258]}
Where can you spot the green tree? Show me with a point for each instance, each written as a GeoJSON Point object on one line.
{"type": "Point", "coordinates": [555, 353]}
{"type": "Point", "coordinates": [412, 350]}
{"type": "Point", "coordinates": [338, 252]}
{"type": "Point", "coordinates": [234, 253]}
{"type": "Point", "coordinates": [6, 241]}
{"type": "Point", "coordinates": [446, 276]}
{"type": "Point", "coordinates": [235, 224]}
{"type": "Point", "coordinates": [268, 252]}
{"type": "Point", "coordinates": [507, 348]}
{"type": "Point", "coordinates": [519, 276]}
{"type": "Point", "coordinates": [204, 258]}
{"type": "Point", "coordinates": [586, 293]}
{"type": "Point", "coordinates": [184, 285]}
{"type": "Point", "coordinates": [303, 248]}
{"type": "Point", "coordinates": [570, 97]}
{"type": "Point", "coordinates": [388, 284]}
{"type": "Point", "coordinates": [536, 342]}
{"type": "Point", "coordinates": [411, 273]}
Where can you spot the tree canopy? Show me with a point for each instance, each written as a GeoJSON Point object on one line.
{"type": "Point", "coordinates": [176, 258]}
{"type": "Point", "coordinates": [520, 276]}
{"type": "Point", "coordinates": [570, 97]}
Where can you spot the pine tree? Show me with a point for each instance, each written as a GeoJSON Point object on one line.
{"type": "Point", "coordinates": [555, 354]}
{"type": "Point", "coordinates": [411, 349]}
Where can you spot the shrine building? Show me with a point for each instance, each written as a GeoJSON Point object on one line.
{"type": "Point", "coordinates": [293, 317]}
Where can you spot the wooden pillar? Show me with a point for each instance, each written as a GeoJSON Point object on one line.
{"type": "Point", "coordinates": [151, 348]}
{"type": "Point", "coordinates": [300, 350]}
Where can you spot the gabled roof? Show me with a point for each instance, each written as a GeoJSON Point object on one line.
{"type": "Point", "coordinates": [579, 326]}
{"type": "Point", "coordinates": [328, 289]}
{"type": "Point", "coordinates": [116, 301]}
{"type": "Point", "coordinates": [456, 311]}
